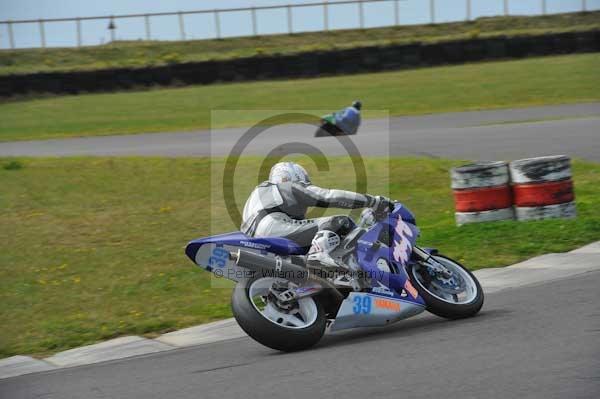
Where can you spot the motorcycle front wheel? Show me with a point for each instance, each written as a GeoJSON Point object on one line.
{"type": "Point", "coordinates": [455, 298]}
{"type": "Point", "coordinates": [288, 330]}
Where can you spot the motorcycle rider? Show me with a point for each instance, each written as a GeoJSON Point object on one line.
{"type": "Point", "coordinates": [277, 207]}
{"type": "Point", "coordinates": [348, 119]}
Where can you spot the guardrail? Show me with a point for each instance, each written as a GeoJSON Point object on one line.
{"type": "Point", "coordinates": [252, 14]}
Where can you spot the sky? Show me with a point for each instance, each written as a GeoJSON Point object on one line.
{"type": "Point", "coordinates": [202, 26]}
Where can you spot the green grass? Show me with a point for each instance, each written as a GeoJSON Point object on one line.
{"type": "Point", "coordinates": [92, 248]}
{"type": "Point", "coordinates": [141, 53]}
{"type": "Point", "coordinates": [536, 81]}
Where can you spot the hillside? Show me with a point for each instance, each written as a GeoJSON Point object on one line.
{"type": "Point", "coordinates": [142, 53]}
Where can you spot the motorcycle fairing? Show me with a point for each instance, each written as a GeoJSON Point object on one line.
{"type": "Point", "coordinates": [392, 241]}
{"type": "Point", "coordinates": [363, 309]}
{"type": "Point", "coordinates": [215, 258]}
{"type": "Point", "coordinates": [392, 297]}
{"type": "Point", "coordinates": [276, 245]}
{"type": "Point", "coordinates": [212, 253]}
{"type": "Point", "coordinates": [330, 118]}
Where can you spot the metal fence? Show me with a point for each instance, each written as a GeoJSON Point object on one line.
{"type": "Point", "coordinates": [114, 21]}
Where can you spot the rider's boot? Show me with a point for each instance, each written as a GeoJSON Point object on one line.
{"type": "Point", "coordinates": [323, 244]}
{"type": "Point", "coordinates": [319, 257]}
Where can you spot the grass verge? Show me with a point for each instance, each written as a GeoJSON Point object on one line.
{"type": "Point", "coordinates": [537, 81]}
{"type": "Point", "coordinates": [92, 248]}
{"type": "Point", "coordinates": [141, 53]}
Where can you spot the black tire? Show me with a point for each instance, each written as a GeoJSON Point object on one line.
{"type": "Point", "coordinates": [328, 130]}
{"type": "Point", "coordinates": [322, 133]}
{"type": "Point", "coordinates": [445, 309]}
{"type": "Point", "coordinates": [268, 333]}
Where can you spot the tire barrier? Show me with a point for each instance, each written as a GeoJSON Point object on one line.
{"type": "Point", "coordinates": [528, 189]}
{"type": "Point", "coordinates": [482, 192]}
{"type": "Point", "coordinates": [304, 65]}
{"type": "Point", "coordinates": [567, 211]}
{"type": "Point", "coordinates": [543, 188]}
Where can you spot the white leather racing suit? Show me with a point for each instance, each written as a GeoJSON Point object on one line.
{"type": "Point", "coordinates": [280, 210]}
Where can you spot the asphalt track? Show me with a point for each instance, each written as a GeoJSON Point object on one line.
{"type": "Point", "coordinates": [573, 130]}
{"type": "Point", "coordinates": [533, 342]}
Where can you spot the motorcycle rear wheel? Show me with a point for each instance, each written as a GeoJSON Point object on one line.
{"type": "Point", "coordinates": [274, 328]}
{"type": "Point", "coordinates": [447, 305]}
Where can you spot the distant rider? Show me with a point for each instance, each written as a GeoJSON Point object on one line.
{"type": "Point", "coordinates": [277, 207]}
{"type": "Point", "coordinates": [346, 120]}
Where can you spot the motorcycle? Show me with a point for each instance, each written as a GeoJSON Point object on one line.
{"type": "Point", "coordinates": [287, 305]}
{"type": "Point", "coordinates": [328, 127]}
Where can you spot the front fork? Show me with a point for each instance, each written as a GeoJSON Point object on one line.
{"type": "Point", "coordinates": [432, 264]}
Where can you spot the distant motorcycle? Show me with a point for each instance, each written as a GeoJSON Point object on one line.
{"type": "Point", "coordinates": [286, 305]}
{"type": "Point", "coordinates": [329, 128]}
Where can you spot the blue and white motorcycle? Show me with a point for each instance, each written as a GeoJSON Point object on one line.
{"type": "Point", "coordinates": [286, 305]}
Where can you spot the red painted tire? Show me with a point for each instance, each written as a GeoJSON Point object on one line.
{"type": "Point", "coordinates": [482, 192]}
{"type": "Point", "coordinates": [542, 194]}
{"type": "Point", "coordinates": [542, 188]}
{"type": "Point", "coordinates": [483, 199]}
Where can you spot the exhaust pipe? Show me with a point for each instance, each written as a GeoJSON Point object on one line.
{"type": "Point", "coordinates": [271, 267]}
{"type": "Point", "coordinates": [279, 268]}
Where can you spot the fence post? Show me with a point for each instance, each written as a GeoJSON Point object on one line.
{"type": "Point", "coordinates": [325, 16]}
{"type": "Point", "coordinates": [42, 34]}
{"type": "Point", "coordinates": [112, 27]}
{"type": "Point", "coordinates": [181, 25]}
{"type": "Point", "coordinates": [217, 25]}
{"type": "Point", "coordinates": [147, 25]}
{"type": "Point", "coordinates": [544, 10]}
{"type": "Point", "coordinates": [397, 12]}
{"type": "Point", "coordinates": [290, 20]}
{"type": "Point", "coordinates": [254, 28]}
{"type": "Point", "coordinates": [583, 5]}
{"type": "Point", "coordinates": [361, 14]}
{"type": "Point", "coordinates": [78, 27]}
{"type": "Point", "coordinates": [432, 11]}
{"type": "Point", "coordinates": [468, 10]}
{"type": "Point", "coordinates": [11, 35]}
{"type": "Point", "coordinates": [505, 8]}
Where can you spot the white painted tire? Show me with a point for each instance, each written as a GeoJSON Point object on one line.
{"type": "Point", "coordinates": [541, 169]}
{"type": "Point", "coordinates": [484, 216]}
{"type": "Point", "coordinates": [480, 174]}
{"type": "Point", "coordinates": [567, 210]}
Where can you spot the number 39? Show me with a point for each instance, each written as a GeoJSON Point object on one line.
{"type": "Point", "coordinates": [219, 257]}
{"type": "Point", "coordinates": [362, 304]}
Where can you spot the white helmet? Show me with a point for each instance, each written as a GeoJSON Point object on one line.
{"type": "Point", "coordinates": [288, 172]}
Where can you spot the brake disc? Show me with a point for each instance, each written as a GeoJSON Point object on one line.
{"type": "Point", "coordinates": [448, 285]}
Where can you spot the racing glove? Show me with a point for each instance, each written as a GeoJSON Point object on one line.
{"type": "Point", "coordinates": [382, 206]}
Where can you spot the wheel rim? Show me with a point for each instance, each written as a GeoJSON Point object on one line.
{"type": "Point", "coordinates": [466, 295]}
{"type": "Point", "coordinates": [301, 316]}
